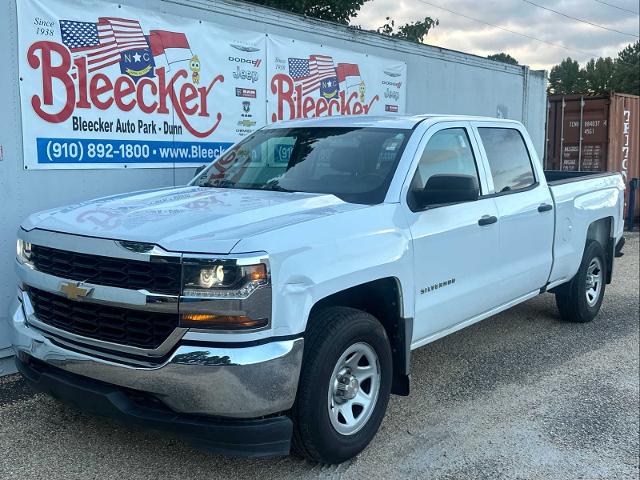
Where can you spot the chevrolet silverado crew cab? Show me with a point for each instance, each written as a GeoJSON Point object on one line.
{"type": "Point", "coordinates": [273, 302]}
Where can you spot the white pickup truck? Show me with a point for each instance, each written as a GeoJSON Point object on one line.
{"type": "Point", "coordinates": [273, 302]}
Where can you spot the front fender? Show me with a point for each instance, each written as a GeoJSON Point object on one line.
{"type": "Point", "coordinates": [315, 259]}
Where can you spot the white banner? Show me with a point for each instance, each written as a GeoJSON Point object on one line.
{"type": "Point", "coordinates": [104, 85]}
{"type": "Point", "coordinates": [310, 80]}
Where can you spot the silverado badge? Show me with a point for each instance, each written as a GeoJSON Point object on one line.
{"type": "Point", "coordinates": [74, 290]}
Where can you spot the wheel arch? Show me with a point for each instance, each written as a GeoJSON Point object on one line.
{"type": "Point", "coordinates": [602, 231]}
{"type": "Point", "coordinates": [381, 298]}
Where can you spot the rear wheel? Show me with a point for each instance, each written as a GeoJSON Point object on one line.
{"type": "Point", "coordinates": [344, 385]}
{"type": "Point", "coordinates": [580, 299]}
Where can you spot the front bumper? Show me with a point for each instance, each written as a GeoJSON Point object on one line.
{"type": "Point", "coordinates": [242, 382]}
{"type": "Point", "coordinates": [253, 438]}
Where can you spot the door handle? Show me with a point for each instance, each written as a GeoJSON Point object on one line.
{"type": "Point", "coordinates": [487, 220]}
{"type": "Point", "coordinates": [544, 207]}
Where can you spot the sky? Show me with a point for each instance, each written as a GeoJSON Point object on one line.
{"type": "Point", "coordinates": [459, 33]}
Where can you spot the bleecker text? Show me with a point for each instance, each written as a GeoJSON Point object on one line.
{"type": "Point", "coordinates": [291, 99]}
{"type": "Point", "coordinates": [149, 95]}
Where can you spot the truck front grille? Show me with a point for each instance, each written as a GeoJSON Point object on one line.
{"type": "Point", "coordinates": [156, 277]}
{"type": "Point", "coordinates": [135, 328]}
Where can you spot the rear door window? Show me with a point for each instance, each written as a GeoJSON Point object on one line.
{"type": "Point", "coordinates": [508, 158]}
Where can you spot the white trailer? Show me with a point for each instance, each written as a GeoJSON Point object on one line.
{"type": "Point", "coordinates": [437, 81]}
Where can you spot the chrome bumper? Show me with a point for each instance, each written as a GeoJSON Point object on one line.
{"type": "Point", "coordinates": [238, 382]}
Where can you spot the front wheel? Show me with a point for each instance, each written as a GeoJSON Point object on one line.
{"type": "Point", "coordinates": [581, 298]}
{"type": "Point", "coordinates": [344, 385]}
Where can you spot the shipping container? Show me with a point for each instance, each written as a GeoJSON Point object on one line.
{"type": "Point", "coordinates": [437, 81]}
{"type": "Point", "coordinates": [595, 133]}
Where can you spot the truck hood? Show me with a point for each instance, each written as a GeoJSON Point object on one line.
{"type": "Point", "coordinates": [188, 219]}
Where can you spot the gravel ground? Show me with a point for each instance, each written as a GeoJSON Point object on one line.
{"type": "Point", "coordinates": [520, 395]}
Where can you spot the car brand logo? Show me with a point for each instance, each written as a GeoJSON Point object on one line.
{"type": "Point", "coordinates": [246, 123]}
{"type": "Point", "coordinates": [137, 247]}
{"type": "Point", "coordinates": [242, 74]}
{"type": "Point", "coordinates": [246, 92]}
{"type": "Point", "coordinates": [246, 106]}
{"type": "Point", "coordinates": [74, 290]}
{"type": "Point", "coordinates": [244, 48]}
{"type": "Point", "coordinates": [393, 94]}
{"type": "Point", "coordinates": [250, 61]}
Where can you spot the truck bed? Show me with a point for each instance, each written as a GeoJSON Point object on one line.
{"type": "Point", "coordinates": [580, 199]}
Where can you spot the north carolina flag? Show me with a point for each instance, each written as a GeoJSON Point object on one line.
{"type": "Point", "coordinates": [348, 76]}
{"type": "Point", "coordinates": [173, 46]}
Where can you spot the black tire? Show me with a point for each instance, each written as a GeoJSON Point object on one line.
{"type": "Point", "coordinates": [331, 333]}
{"type": "Point", "coordinates": [571, 297]}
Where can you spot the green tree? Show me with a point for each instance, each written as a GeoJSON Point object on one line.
{"type": "Point", "coordinates": [413, 31]}
{"type": "Point", "coordinates": [503, 57]}
{"type": "Point", "coordinates": [339, 11]}
{"type": "Point", "coordinates": [601, 75]}
{"type": "Point", "coordinates": [597, 76]}
{"type": "Point", "coordinates": [626, 75]}
{"type": "Point", "coordinates": [565, 78]}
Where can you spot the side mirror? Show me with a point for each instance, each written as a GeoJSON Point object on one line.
{"type": "Point", "coordinates": [442, 189]}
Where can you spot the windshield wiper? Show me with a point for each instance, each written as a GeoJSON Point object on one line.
{"type": "Point", "coordinates": [277, 188]}
{"type": "Point", "coordinates": [223, 183]}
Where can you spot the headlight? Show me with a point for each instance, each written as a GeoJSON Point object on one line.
{"type": "Point", "coordinates": [215, 295]}
{"type": "Point", "coordinates": [23, 251]}
{"type": "Point", "coordinates": [222, 279]}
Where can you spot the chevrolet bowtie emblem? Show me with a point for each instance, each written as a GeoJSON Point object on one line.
{"type": "Point", "coordinates": [73, 290]}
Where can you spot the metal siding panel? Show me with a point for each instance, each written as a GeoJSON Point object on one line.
{"type": "Point", "coordinates": [10, 185]}
{"type": "Point", "coordinates": [7, 364]}
{"type": "Point", "coordinates": [536, 111]}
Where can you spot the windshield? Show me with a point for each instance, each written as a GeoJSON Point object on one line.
{"type": "Point", "coordinates": [355, 164]}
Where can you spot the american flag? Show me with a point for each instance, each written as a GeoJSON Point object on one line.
{"type": "Point", "coordinates": [310, 72]}
{"type": "Point", "coordinates": [104, 41]}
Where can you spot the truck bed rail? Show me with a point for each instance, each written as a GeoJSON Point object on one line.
{"type": "Point", "coordinates": [558, 177]}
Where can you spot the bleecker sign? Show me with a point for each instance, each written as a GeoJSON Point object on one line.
{"type": "Point", "coordinates": [309, 80]}
{"type": "Point", "coordinates": [135, 89]}
{"type": "Point", "coordinates": [147, 95]}
{"type": "Point", "coordinates": [104, 85]}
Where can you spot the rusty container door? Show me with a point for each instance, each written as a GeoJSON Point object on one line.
{"type": "Point", "coordinates": [595, 133]}
{"type": "Point", "coordinates": [624, 150]}
{"type": "Point", "coordinates": [578, 131]}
